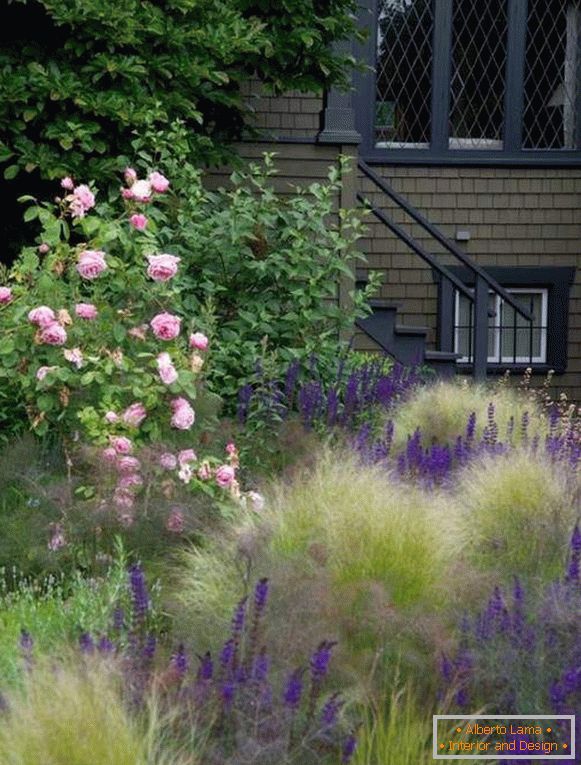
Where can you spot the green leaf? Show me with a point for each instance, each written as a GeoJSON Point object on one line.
{"type": "Point", "coordinates": [11, 172]}
{"type": "Point", "coordinates": [6, 346]}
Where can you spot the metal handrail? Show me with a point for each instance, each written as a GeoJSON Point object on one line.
{"type": "Point", "coordinates": [441, 238]}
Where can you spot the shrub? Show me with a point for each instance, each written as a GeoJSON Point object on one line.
{"type": "Point", "coordinates": [267, 266]}
{"type": "Point", "coordinates": [101, 335]}
{"type": "Point", "coordinates": [515, 513]}
{"type": "Point", "coordinates": [73, 75]}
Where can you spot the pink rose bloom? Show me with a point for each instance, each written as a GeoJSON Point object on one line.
{"type": "Point", "coordinates": [159, 183]}
{"type": "Point", "coordinates": [43, 248]}
{"type": "Point", "coordinates": [128, 464]}
{"type": "Point", "coordinates": [75, 356]}
{"type": "Point", "coordinates": [86, 311]}
{"type": "Point", "coordinates": [167, 371]}
{"type": "Point", "coordinates": [141, 191]}
{"type": "Point", "coordinates": [42, 316]}
{"type": "Point", "coordinates": [138, 332]}
{"type": "Point", "coordinates": [130, 480]}
{"type": "Point", "coordinates": [168, 461]}
{"type": "Point", "coordinates": [183, 415]}
{"type": "Point", "coordinates": [121, 444]}
{"type": "Point", "coordinates": [186, 456]}
{"type": "Point", "coordinates": [91, 264]}
{"type": "Point", "coordinates": [165, 326]}
{"type": "Point", "coordinates": [5, 294]}
{"type": "Point", "coordinates": [175, 521]}
{"type": "Point", "coordinates": [67, 183]}
{"type": "Point", "coordinates": [138, 221]}
{"type": "Point", "coordinates": [231, 448]}
{"type": "Point", "coordinates": [162, 267]}
{"type": "Point", "coordinates": [81, 201]}
{"type": "Point", "coordinates": [123, 499]}
{"type": "Point", "coordinates": [53, 334]}
{"type": "Point", "coordinates": [134, 414]}
{"type": "Point", "coordinates": [199, 341]}
{"type": "Point", "coordinates": [42, 372]}
{"type": "Point", "coordinates": [185, 473]}
{"type": "Point", "coordinates": [225, 474]}
{"type": "Point", "coordinates": [109, 455]}
{"type": "Point", "coordinates": [205, 472]}
{"type": "Point", "coordinates": [130, 176]}
{"type": "Point", "coordinates": [126, 193]}
{"type": "Point", "coordinates": [111, 417]}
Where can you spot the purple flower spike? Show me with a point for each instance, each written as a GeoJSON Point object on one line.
{"type": "Point", "coordinates": [227, 694]}
{"type": "Point", "coordinates": [179, 661]}
{"type": "Point", "coordinates": [330, 711]}
{"type": "Point", "coordinates": [86, 643]}
{"type": "Point", "coordinates": [574, 566]}
{"type": "Point", "coordinates": [105, 646]}
{"type": "Point", "coordinates": [149, 648]}
{"type": "Point", "coordinates": [139, 594]}
{"type": "Point", "coordinates": [261, 595]}
{"type": "Point", "coordinates": [320, 661]}
{"type": "Point", "coordinates": [261, 667]}
{"type": "Point", "coordinates": [293, 690]}
{"type": "Point", "coordinates": [349, 748]}
{"type": "Point", "coordinates": [118, 619]}
{"type": "Point", "coordinates": [206, 668]}
{"type": "Point", "coordinates": [238, 618]}
{"type": "Point", "coordinates": [227, 653]}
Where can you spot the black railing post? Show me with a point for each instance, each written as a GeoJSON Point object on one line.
{"type": "Point", "coordinates": [480, 329]}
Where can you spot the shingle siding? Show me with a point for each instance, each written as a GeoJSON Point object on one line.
{"type": "Point", "coordinates": [515, 216]}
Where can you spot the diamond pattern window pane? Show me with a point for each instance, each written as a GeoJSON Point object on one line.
{"type": "Point", "coordinates": [552, 73]}
{"type": "Point", "coordinates": [477, 88]}
{"type": "Point", "coordinates": [404, 74]}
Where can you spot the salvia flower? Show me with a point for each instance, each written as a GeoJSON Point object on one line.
{"type": "Point", "coordinates": [139, 593]}
{"type": "Point", "coordinates": [86, 643]}
{"type": "Point", "coordinates": [179, 661]}
{"type": "Point", "coordinates": [348, 749]}
{"type": "Point", "coordinates": [293, 690]}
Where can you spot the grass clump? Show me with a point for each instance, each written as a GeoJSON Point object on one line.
{"type": "Point", "coordinates": [441, 412]}
{"type": "Point", "coordinates": [395, 731]}
{"type": "Point", "coordinates": [516, 513]}
{"type": "Point", "coordinates": [347, 552]}
{"type": "Point", "coordinates": [69, 716]}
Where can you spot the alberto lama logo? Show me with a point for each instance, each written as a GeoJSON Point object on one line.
{"type": "Point", "coordinates": [487, 737]}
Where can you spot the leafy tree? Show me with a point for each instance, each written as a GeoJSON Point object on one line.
{"type": "Point", "coordinates": [78, 77]}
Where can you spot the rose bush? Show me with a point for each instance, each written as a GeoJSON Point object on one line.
{"type": "Point", "coordinates": [98, 334]}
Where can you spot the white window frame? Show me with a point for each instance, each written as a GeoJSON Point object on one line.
{"type": "Point", "coordinates": [540, 359]}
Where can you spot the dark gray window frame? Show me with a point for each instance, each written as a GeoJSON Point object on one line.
{"type": "Point", "coordinates": [512, 155]}
{"type": "Point", "coordinates": [556, 279]}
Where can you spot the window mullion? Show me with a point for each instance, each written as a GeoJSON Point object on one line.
{"type": "Point", "coordinates": [515, 67]}
{"type": "Point", "coordinates": [441, 69]}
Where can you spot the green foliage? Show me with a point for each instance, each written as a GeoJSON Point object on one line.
{"type": "Point", "coordinates": [55, 610]}
{"type": "Point", "coordinates": [266, 267]}
{"type": "Point", "coordinates": [78, 78]}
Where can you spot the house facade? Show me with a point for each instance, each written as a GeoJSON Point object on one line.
{"type": "Point", "coordinates": [465, 137]}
